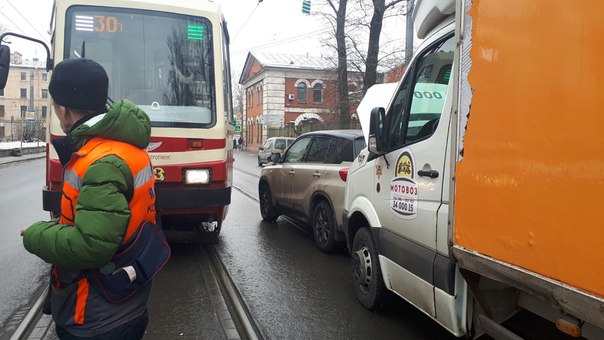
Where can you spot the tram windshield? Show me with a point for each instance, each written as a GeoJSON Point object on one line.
{"type": "Point", "coordinates": [162, 62]}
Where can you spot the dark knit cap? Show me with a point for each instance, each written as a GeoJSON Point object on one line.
{"type": "Point", "coordinates": [80, 84]}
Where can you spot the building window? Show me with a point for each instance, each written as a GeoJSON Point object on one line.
{"type": "Point", "coordinates": [23, 93]}
{"type": "Point", "coordinates": [2, 111]}
{"type": "Point", "coordinates": [2, 136]}
{"type": "Point", "coordinates": [317, 93]}
{"type": "Point", "coordinates": [23, 111]}
{"type": "Point", "coordinates": [301, 92]}
{"type": "Point", "coordinates": [23, 75]}
{"type": "Point", "coordinates": [44, 77]}
{"type": "Point", "coordinates": [1, 92]}
{"type": "Point", "coordinates": [44, 109]}
{"type": "Point", "coordinates": [44, 93]}
{"type": "Point", "coordinates": [259, 90]}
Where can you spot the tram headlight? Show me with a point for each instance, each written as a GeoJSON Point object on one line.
{"type": "Point", "coordinates": [197, 176]}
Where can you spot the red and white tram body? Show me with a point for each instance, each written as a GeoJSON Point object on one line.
{"type": "Point", "coordinates": [172, 60]}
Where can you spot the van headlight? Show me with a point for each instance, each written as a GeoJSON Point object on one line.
{"type": "Point", "coordinates": [197, 176]}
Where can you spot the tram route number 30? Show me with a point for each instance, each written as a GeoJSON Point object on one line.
{"type": "Point", "coordinates": [107, 24]}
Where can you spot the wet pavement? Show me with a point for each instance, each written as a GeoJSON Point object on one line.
{"type": "Point", "coordinates": [292, 289]}
{"type": "Point", "coordinates": [186, 302]}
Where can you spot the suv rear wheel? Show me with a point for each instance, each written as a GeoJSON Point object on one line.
{"type": "Point", "coordinates": [267, 209]}
{"type": "Point", "coordinates": [324, 228]}
{"type": "Point", "coordinates": [366, 272]}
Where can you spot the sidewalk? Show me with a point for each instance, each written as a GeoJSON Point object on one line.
{"type": "Point", "coordinates": [13, 159]}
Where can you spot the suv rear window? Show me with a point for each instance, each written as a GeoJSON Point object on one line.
{"type": "Point", "coordinates": [340, 151]}
{"type": "Point", "coordinates": [318, 150]}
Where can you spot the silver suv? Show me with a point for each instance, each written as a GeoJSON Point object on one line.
{"type": "Point", "coordinates": [308, 183]}
{"type": "Point", "coordinates": [272, 146]}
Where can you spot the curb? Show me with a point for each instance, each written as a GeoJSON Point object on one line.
{"type": "Point", "coordinates": [20, 159]}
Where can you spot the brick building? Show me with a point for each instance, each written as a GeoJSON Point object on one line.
{"type": "Point", "coordinates": [283, 89]}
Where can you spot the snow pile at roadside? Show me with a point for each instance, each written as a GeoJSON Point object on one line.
{"type": "Point", "coordinates": [17, 144]}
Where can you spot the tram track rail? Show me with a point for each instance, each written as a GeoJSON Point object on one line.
{"type": "Point", "coordinates": [244, 321]}
{"type": "Point", "coordinates": [240, 312]}
{"type": "Point", "coordinates": [216, 276]}
{"type": "Point", "coordinates": [225, 295]}
{"type": "Point", "coordinates": [290, 220]}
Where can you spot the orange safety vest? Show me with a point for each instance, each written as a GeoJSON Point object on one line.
{"type": "Point", "coordinates": [141, 204]}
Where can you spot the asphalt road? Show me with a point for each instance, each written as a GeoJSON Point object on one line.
{"type": "Point", "coordinates": [293, 290]}
{"type": "Point", "coordinates": [22, 275]}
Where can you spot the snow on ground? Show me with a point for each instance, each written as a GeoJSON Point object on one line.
{"type": "Point", "coordinates": [12, 145]}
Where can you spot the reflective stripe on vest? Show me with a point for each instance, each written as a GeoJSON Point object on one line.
{"type": "Point", "coordinates": [142, 203]}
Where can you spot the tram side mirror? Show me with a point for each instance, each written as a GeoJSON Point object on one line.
{"type": "Point", "coordinates": [4, 65]}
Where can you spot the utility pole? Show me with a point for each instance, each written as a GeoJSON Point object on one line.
{"type": "Point", "coordinates": [30, 107]}
{"type": "Point", "coordinates": [409, 35]}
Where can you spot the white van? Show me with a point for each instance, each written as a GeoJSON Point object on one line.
{"type": "Point", "coordinates": [480, 192]}
{"type": "Point", "coordinates": [273, 145]}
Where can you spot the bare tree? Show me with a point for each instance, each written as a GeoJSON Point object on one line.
{"type": "Point", "coordinates": [238, 96]}
{"type": "Point", "coordinates": [339, 10]}
{"type": "Point", "coordinates": [357, 43]}
{"type": "Point", "coordinates": [373, 47]}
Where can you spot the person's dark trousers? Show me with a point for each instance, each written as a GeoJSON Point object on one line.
{"type": "Point", "coordinates": [133, 330]}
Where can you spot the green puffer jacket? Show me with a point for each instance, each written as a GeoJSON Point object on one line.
{"type": "Point", "coordinates": [102, 208]}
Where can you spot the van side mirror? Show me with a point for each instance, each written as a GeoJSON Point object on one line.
{"type": "Point", "coordinates": [4, 65]}
{"type": "Point", "coordinates": [377, 119]}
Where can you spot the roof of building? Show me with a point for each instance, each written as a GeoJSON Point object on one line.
{"type": "Point", "coordinates": [294, 61]}
{"type": "Point", "coordinates": [287, 61]}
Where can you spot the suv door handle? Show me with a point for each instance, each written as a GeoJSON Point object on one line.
{"type": "Point", "coordinates": [316, 174]}
{"type": "Point", "coordinates": [292, 172]}
{"type": "Point", "coordinates": [428, 173]}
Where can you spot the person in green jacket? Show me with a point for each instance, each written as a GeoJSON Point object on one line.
{"type": "Point", "coordinates": [99, 152]}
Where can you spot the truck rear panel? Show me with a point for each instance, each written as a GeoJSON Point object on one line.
{"type": "Point", "coordinates": [530, 183]}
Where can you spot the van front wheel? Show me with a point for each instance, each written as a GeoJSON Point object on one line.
{"type": "Point", "coordinates": [366, 272]}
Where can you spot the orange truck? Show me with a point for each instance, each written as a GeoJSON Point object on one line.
{"type": "Point", "coordinates": [481, 192]}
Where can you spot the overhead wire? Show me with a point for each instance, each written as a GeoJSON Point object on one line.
{"type": "Point", "coordinates": [282, 41]}
{"type": "Point", "coordinates": [246, 20]}
{"type": "Point", "coordinates": [12, 22]}
{"type": "Point", "coordinates": [45, 38]}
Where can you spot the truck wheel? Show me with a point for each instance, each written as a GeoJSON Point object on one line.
{"type": "Point", "coordinates": [366, 272]}
{"type": "Point", "coordinates": [324, 228]}
{"type": "Point", "coordinates": [267, 210]}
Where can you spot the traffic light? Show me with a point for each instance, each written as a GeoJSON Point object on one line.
{"type": "Point", "coordinates": [306, 6]}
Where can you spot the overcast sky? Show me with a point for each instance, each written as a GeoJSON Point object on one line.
{"type": "Point", "coordinates": [270, 26]}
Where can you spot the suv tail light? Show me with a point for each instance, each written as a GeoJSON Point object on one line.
{"type": "Point", "coordinates": [344, 174]}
